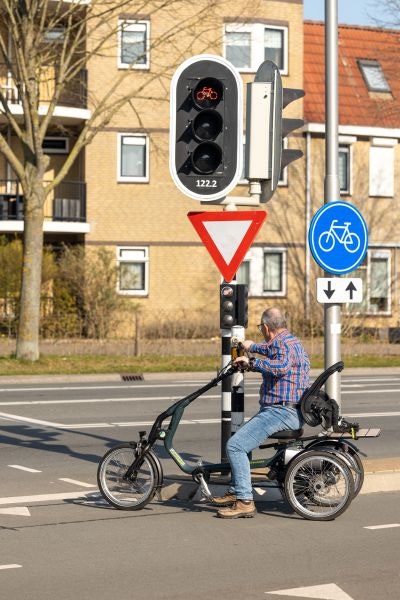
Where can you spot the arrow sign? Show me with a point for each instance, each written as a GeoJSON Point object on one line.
{"type": "Point", "coordinates": [339, 289]}
{"type": "Point", "coordinates": [329, 292]}
{"type": "Point", "coordinates": [227, 236]}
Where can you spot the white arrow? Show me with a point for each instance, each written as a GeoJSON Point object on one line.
{"type": "Point", "coordinates": [21, 511]}
{"type": "Point", "coordinates": [329, 591]}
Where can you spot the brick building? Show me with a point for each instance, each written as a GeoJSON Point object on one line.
{"type": "Point", "coordinates": [120, 195]}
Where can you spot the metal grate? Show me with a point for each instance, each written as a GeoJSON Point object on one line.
{"type": "Point", "coordinates": [132, 377]}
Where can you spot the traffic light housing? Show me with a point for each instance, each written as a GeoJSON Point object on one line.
{"type": "Point", "coordinates": [206, 127]}
{"type": "Point", "coordinates": [233, 305]}
{"type": "Point", "coordinates": [266, 129]}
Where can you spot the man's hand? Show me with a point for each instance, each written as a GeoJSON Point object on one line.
{"type": "Point", "coordinates": [246, 344]}
{"type": "Point", "coordinates": [242, 362]}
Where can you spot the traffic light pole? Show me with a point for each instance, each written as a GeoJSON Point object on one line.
{"type": "Point", "coordinates": [332, 316]}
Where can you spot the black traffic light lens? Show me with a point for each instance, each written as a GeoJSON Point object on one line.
{"type": "Point", "coordinates": [207, 125]}
{"type": "Point", "coordinates": [206, 158]}
{"type": "Point", "coordinates": [208, 93]}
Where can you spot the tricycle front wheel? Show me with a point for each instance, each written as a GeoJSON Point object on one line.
{"type": "Point", "coordinates": [136, 491]}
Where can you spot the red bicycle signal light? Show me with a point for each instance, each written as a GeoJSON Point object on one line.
{"type": "Point", "coordinates": [208, 92]}
{"type": "Point", "coordinates": [206, 127]}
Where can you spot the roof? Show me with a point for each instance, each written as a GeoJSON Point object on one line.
{"type": "Point", "coordinates": [357, 105]}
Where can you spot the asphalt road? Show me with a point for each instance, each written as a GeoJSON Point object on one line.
{"type": "Point", "coordinates": [61, 541]}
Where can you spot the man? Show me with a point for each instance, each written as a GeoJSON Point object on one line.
{"type": "Point", "coordinates": [284, 366]}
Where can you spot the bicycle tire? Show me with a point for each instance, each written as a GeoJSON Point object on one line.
{"type": "Point", "coordinates": [318, 485]}
{"type": "Point", "coordinates": [353, 461]}
{"type": "Point", "coordinates": [348, 244]}
{"type": "Point", "coordinates": [131, 494]}
{"type": "Point", "coordinates": [325, 246]}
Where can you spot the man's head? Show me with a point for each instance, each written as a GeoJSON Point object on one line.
{"type": "Point", "coordinates": [272, 323]}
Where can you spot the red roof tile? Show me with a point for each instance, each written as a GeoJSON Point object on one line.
{"type": "Point", "coordinates": [357, 105]}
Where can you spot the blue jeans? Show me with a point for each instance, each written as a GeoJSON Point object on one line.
{"type": "Point", "coordinates": [250, 435]}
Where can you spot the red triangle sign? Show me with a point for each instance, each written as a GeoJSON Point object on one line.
{"type": "Point", "coordinates": [227, 236]}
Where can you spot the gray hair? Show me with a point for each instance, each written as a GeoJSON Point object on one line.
{"type": "Point", "coordinates": [274, 319]}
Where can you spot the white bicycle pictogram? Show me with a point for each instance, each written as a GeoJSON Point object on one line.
{"type": "Point", "coordinates": [339, 233]}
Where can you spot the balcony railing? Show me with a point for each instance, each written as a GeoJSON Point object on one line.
{"type": "Point", "coordinates": [74, 95]}
{"type": "Point", "coordinates": [66, 203]}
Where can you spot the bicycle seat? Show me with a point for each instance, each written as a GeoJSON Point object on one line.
{"type": "Point", "coordinates": [287, 434]}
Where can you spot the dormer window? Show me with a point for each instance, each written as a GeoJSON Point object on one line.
{"type": "Point", "coordinates": [374, 76]}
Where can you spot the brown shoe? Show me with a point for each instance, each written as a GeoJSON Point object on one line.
{"type": "Point", "coordinates": [226, 500]}
{"type": "Point", "coordinates": [241, 508]}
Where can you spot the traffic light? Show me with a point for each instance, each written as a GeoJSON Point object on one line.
{"type": "Point", "coordinates": [206, 127]}
{"type": "Point", "coordinates": [233, 305]}
{"type": "Point", "coordinates": [266, 129]}
{"type": "Point", "coordinates": [227, 306]}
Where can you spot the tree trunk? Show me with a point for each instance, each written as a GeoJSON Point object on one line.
{"type": "Point", "coordinates": [29, 316]}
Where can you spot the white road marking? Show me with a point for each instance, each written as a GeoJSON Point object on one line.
{"type": "Point", "coordinates": [387, 526]}
{"type": "Point", "coordinates": [103, 400]}
{"type": "Point", "coordinates": [10, 566]}
{"type": "Point", "coordinates": [10, 417]}
{"type": "Point", "coordinates": [45, 497]}
{"type": "Point", "coordinates": [21, 468]}
{"type": "Point", "coordinates": [76, 482]}
{"type": "Point", "coordinates": [97, 387]}
{"type": "Point", "coordinates": [329, 591]}
{"type": "Point", "coordinates": [20, 511]}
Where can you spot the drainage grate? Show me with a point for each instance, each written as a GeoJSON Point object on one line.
{"type": "Point", "coordinates": [132, 377]}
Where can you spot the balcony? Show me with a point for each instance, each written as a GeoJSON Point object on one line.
{"type": "Point", "coordinates": [65, 208]}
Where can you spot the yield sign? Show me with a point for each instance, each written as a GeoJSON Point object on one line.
{"type": "Point", "coordinates": [227, 236]}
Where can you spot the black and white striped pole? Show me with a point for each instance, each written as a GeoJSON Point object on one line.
{"type": "Point", "coordinates": [227, 299]}
{"type": "Point", "coordinates": [237, 383]}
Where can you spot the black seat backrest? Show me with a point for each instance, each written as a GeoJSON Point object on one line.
{"type": "Point", "coordinates": [322, 379]}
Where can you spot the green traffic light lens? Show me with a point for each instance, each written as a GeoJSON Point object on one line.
{"type": "Point", "coordinates": [206, 158]}
{"type": "Point", "coordinates": [207, 125]}
{"type": "Point", "coordinates": [208, 92]}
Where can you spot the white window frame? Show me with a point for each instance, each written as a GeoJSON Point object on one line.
{"type": "Point", "coordinates": [383, 84]}
{"type": "Point", "coordinates": [381, 168]}
{"type": "Point", "coordinates": [348, 150]}
{"type": "Point", "coordinates": [141, 140]}
{"type": "Point", "coordinates": [137, 254]}
{"type": "Point", "coordinates": [256, 31]}
{"type": "Point", "coordinates": [371, 254]}
{"type": "Point", "coordinates": [255, 256]}
{"type": "Point", "coordinates": [64, 150]}
{"type": "Point", "coordinates": [133, 25]}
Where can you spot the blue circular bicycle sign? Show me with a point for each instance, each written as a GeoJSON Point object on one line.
{"type": "Point", "coordinates": [338, 237]}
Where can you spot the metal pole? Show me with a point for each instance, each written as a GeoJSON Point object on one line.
{"type": "Point", "coordinates": [332, 316]}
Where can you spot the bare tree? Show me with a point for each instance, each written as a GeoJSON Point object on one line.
{"type": "Point", "coordinates": [85, 30]}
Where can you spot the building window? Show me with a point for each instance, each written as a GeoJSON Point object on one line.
{"type": "Point", "coordinates": [134, 44]}
{"type": "Point", "coordinates": [264, 271]}
{"type": "Point", "coordinates": [344, 169]}
{"type": "Point", "coordinates": [374, 76]}
{"type": "Point", "coordinates": [246, 46]}
{"type": "Point", "coordinates": [55, 145]}
{"type": "Point", "coordinates": [273, 272]}
{"type": "Point", "coordinates": [375, 275]}
{"type": "Point", "coordinates": [133, 266]}
{"type": "Point", "coordinates": [381, 171]}
{"type": "Point", "coordinates": [133, 158]}
{"type": "Point", "coordinates": [243, 273]}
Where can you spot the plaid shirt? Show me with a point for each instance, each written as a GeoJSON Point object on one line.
{"type": "Point", "coordinates": [285, 369]}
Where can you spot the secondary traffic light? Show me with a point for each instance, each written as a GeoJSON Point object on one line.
{"type": "Point", "coordinates": [266, 129]}
{"type": "Point", "coordinates": [206, 127]}
{"type": "Point", "coordinates": [233, 305]}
